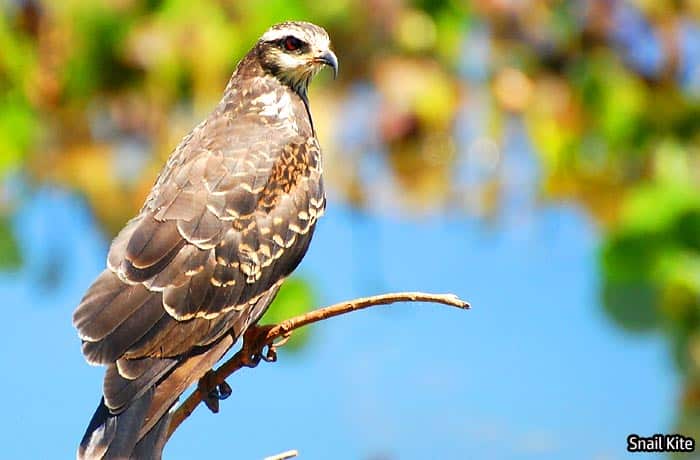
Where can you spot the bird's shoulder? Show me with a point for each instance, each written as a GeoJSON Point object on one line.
{"type": "Point", "coordinates": [230, 216]}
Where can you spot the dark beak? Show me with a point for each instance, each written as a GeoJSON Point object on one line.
{"type": "Point", "coordinates": [329, 59]}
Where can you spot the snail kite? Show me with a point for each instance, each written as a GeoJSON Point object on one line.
{"type": "Point", "coordinates": [229, 218]}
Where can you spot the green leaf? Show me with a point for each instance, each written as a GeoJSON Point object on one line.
{"type": "Point", "coordinates": [631, 255]}
{"type": "Point", "coordinates": [632, 305]}
{"type": "Point", "coordinates": [10, 258]}
{"type": "Point", "coordinates": [655, 207]}
{"type": "Point", "coordinates": [687, 229]}
{"type": "Point", "coordinates": [294, 298]}
{"type": "Point", "coordinates": [18, 126]}
{"type": "Point", "coordinates": [96, 62]}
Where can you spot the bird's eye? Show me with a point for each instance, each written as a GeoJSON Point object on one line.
{"type": "Point", "coordinates": [292, 43]}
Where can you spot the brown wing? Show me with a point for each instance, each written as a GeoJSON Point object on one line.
{"type": "Point", "coordinates": [229, 218]}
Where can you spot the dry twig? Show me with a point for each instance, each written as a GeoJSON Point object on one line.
{"type": "Point", "coordinates": [260, 342]}
{"type": "Point", "coordinates": [283, 456]}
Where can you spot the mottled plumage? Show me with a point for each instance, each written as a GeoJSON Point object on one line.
{"type": "Point", "coordinates": [229, 218]}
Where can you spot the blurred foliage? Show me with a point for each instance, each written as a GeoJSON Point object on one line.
{"type": "Point", "coordinates": [10, 257]}
{"type": "Point", "coordinates": [294, 298]}
{"type": "Point", "coordinates": [94, 95]}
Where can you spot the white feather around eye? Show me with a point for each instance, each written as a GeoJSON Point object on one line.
{"type": "Point", "coordinates": [288, 62]}
{"type": "Point", "coordinates": [277, 34]}
{"type": "Point", "coordinates": [316, 38]}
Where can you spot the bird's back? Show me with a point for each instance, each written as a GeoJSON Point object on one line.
{"type": "Point", "coordinates": [229, 218]}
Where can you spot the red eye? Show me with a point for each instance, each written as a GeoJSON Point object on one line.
{"type": "Point", "coordinates": [292, 44]}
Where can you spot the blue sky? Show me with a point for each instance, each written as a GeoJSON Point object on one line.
{"type": "Point", "coordinates": [534, 370]}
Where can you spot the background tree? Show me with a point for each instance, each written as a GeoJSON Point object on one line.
{"type": "Point", "coordinates": [94, 95]}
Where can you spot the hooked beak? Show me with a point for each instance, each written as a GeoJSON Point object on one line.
{"type": "Point", "coordinates": [328, 58]}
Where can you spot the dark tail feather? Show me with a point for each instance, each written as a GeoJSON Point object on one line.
{"type": "Point", "coordinates": [114, 436]}
{"type": "Point", "coordinates": [140, 430]}
{"type": "Point", "coordinates": [151, 446]}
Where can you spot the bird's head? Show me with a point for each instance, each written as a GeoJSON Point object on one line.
{"type": "Point", "coordinates": [296, 51]}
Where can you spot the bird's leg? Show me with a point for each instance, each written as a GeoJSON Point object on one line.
{"type": "Point", "coordinates": [224, 390]}
{"type": "Point", "coordinates": [208, 388]}
{"type": "Point", "coordinates": [257, 346]}
{"type": "Point", "coordinates": [271, 355]}
{"type": "Point", "coordinates": [254, 343]}
{"type": "Point", "coordinates": [213, 392]}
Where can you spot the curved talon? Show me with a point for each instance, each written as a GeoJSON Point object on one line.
{"type": "Point", "coordinates": [253, 348]}
{"type": "Point", "coordinates": [212, 400]}
{"type": "Point", "coordinates": [214, 393]}
{"type": "Point", "coordinates": [284, 339]}
{"type": "Point", "coordinates": [251, 360]}
{"type": "Point", "coordinates": [271, 355]}
{"type": "Point", "coordinates": [224, 390]}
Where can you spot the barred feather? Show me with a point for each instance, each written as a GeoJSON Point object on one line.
{"type": "Point", "coordinates": [229, 218]}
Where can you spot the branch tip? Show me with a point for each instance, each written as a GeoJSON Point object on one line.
{"type": "Point", "coordinates": [257, 338]}
{"type": "Point", "coordinates": [283, 456]}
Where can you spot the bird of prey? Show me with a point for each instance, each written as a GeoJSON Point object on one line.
{"type": "Point", "coordinates": [229, 218]}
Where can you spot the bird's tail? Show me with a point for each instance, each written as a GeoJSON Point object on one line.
{"type": "Point", "coordinates": [140, 429]}
{"type": "Point", "coordinates": [117, 435]}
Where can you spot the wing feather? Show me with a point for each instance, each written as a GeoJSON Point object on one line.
{"type": "Point", "coordinates": [106, 306]}
{"type": "Point", "coordinates": [229, 218]}
{"type": "Point", "coordinates": [227, 221]}
{"type": "Point", "coordinates": [136, 325]}
{"type": "Point", "coordinates": [203, 231]}
{"type": "Point", "coordinates": [119, 390]}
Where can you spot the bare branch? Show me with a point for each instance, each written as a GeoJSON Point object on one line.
{"type": "Point", "coordinates": [257, 339]}
{"type": "Point", "coordinates": [283, 456]}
